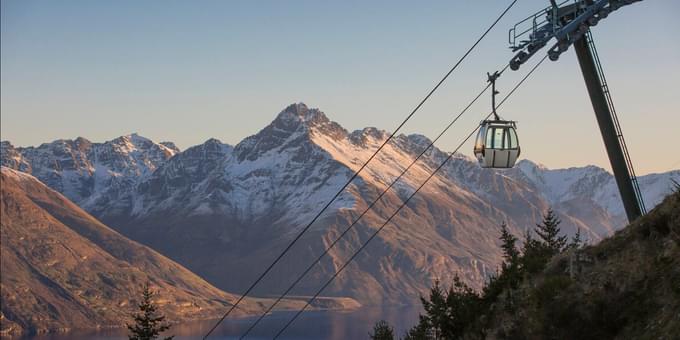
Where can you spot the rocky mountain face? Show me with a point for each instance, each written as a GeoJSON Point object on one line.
{"type": "Point", "coordinates": [90, 174]}
{"type": "Point", "coordinates": [225, 212]}
{"type": "Point", "coordinates": [576, 191]}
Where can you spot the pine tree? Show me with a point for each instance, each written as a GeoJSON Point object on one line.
{"type": "Point", "coordinates": [148, 322]}
{"type": "Point", "coordinates": [419, 331]}
{"type": "Point", "coordinates": [535, 254]}
{"type": "Point", "coordinates": [382, 331]}
{"type": "Point", "coordinates": [548, 231]}
{"type": "Point", "coordinates": [510, 274]}
{"type": "Point", "coordinates": [448, 313]}
{"type": "Point", "coordinates": [528, 241]}
{"type": "Point", "coordinates": [508, 240]}
{"type": "Point", "coordinates": [576, 240]}
{"type": "Point", "coordinates": [464, 306]}
{"type": "Point", "coordinates": [437, 317]}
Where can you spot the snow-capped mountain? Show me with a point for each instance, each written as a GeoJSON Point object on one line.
{"type": "Point", "coordinates": [225, 212]}
{"type": "Point", "coordinates": [90, 173]}
{"type": "Point", "coordinates": [593, 183]}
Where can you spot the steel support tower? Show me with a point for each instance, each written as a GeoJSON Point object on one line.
{"type": "Point", "coordinates": [569, 24]}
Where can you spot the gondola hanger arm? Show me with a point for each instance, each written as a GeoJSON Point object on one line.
{"type": "Point", "coordinates": [492, 79]}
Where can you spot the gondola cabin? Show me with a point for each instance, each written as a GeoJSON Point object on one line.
{"type": "Point", "coordinates": [497, 145]}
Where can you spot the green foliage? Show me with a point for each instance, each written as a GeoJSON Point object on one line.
{"type": "Point", "coordinates": [576, 240]}
{"type": "Point", "coordinates": [511, 271]}
{"type": "Point", "coordinates": [548, 232]}
{"type": "Point", "coordinates": [508, 240]}
{"type": "Point", "coordinates": [419, 331]}
{"type": "Point", "coordinates": [453, 313]}
{"type": "Point", "coordinates": [149, 323]}
{"type": "Point", "coordinates": [535, 255]}
{"type": "Point", "coordinates": [551, 287]}
{"type": "Point", "coordinates": [447, 312]}
{"type": "Point", "coordinates": [624, 288]}
{"type": "Point", "coordinates": [436, 310]}
{"type": "Point", "coordinates": [563, 310]}
{"type": "Point", "coordinates": [382, 331]}
{"type": "Point", "coordinates": [464, 307]}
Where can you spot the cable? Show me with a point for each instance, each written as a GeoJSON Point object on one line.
{"type": "Point", "coordinates": [370, 206]}
{"type": "Point", "coordinates": [356, 174]}
{"type": "Point", "coordinates": [402, 206]}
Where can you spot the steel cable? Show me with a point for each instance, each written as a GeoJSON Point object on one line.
{"type": "Point", "coordinates": [365, 243]}
{"type": "Point", "coordinates": [356, 174]}
{"type": "Point", "coordinates": [370, 206]}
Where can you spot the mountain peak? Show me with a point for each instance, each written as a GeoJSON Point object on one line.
{"type": "Point", "coordinates": [82, 141]}
{"type": "Point", "coordinates": [297, 124]}
{"type": "Point", "coordinates": [297, 108]}
{"type": "Point", "coordinates": [5, 144]}
{"type": "Point", "coordinates": [215, 145]}
{"type": "Point", "coordinates": [528, 166]}
{"type": "Point", "coordinates": [135, 142]}
{"type": "Point", "coordinates": [171, 146]}
{"type": "Point", "coordinates": [134, 138]}
{"type": "Point", "coordinates": [299, 113]}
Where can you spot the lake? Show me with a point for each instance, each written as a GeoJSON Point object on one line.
{"type": "Point", "coordinates": [332, 325]}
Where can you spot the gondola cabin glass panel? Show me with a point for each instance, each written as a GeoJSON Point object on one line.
{"type": "Point", "coordinates": [497, 145]}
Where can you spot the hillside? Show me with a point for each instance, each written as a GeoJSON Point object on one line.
{"type": "Point", "coordinates": [625, 287]}
{"type": "Point", "coordinates": [62, 269]}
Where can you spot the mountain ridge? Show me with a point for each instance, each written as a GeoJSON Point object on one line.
{"type": "Point", "coordinates": [225, 208]}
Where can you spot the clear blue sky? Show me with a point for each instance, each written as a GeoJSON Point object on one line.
{"type": "Point", "coordinates": [186, 71]}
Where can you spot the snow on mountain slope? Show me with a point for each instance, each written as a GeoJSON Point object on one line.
{"type": "Point", "coordinates": [225, 212]}
{"type": "Point", "coordinates": [86, 172]}
{"type": "Point", "coordinates": [594, 183]}
{"type": "Point", "coordinates": [13, 158]}
{"type": "Point", "coordinates": [220, 210]}
{"type": "Point", "coordinates": [275, 173]}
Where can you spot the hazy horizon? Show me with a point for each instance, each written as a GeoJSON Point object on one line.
{"type": "Point", "coordinates": [175, 72]}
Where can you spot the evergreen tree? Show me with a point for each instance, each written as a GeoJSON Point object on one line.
{"type": "Point", "coordinates": [148, 322]}
{"type": "Point", "coordinates": [436, 311]}
{"type": "Point", "coordinates": [447, 312]}
{"type": "Point", "coordinates": [464, 307]}
{"type": "Point", "coordinates": [528, 241]}
{"type": "Point", "coordinates": [508, 240]}
{"type": "Point", "coordinates": [510, 274]}
{"type": "Point", "coordinates": [548, 231]}
{"type": "Point", "coordinates": [576, 240]}
{"type": "Point", "coordinates": [535, 254]}
{"type": "Point", "coordinates": [382, 331]}
{"type": "Point", "coordinates": [419, 331]}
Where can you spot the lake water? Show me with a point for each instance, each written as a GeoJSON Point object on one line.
{"type": "Point", "coordinates": [331, 325]}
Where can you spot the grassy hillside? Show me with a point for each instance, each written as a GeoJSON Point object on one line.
{"type": "Point", "coordinates": [625, 287]}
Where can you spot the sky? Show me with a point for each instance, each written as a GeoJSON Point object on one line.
{"type": "Point", "coordinates": [187, 71]}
